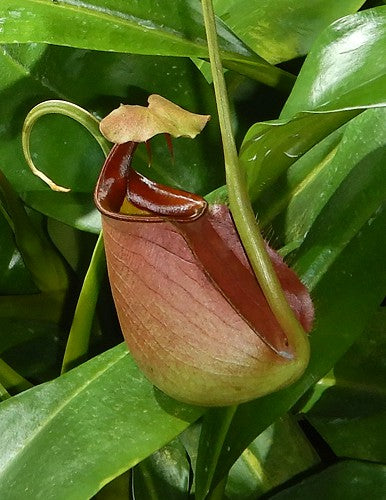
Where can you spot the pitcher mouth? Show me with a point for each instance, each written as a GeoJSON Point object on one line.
{"type": "Point", "coordinates": [124, 194]}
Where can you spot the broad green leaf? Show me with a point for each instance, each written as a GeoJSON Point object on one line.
{"type": "Point", "coordinates": [353, 401]}
{"type": "Point", "coordinates": [270, 149]}
{"type": "Point", "coordinates": [355, 204]}
{"type": "Point", "coordinates": [290, 188]}
{"type": "Point", "coordinates": [165, 474]}
{"type": "Point", "coordinates": [274, 457]}
{"type": "Point", "coordinates": [291, 205]}
{"type": "Point", "coordinates": [98, 82]}
{"type": "Point", "coordinates": [283, 29]}
{"type": "Point", "coordinates": [67, 438]}
{"type": "Point", "coordinates": [346, 66]}
{"type": "Point", "coordinates": [33, 306]}
{"type": "Point", "coordinates": [170, 28]}
{"type": "Point", "coordinates": [11, 382]}
{"type": "Point", "coordinates": [342, 310]}
{"type": "Point", "coordinates": [348, 479]}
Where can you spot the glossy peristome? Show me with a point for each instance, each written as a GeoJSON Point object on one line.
{"type": "Point", "coordinates": [190, 308]}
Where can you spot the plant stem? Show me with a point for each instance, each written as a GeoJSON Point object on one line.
{"type": "Point", "coordinates": [79, 336]}
{"type": "Point", "coordinates": [241, 208]}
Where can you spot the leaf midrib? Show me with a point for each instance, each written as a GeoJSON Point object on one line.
{"type": "Point", "coordinates": [127, 20]}
{"type": "Point", "coordinates": [65, 402]}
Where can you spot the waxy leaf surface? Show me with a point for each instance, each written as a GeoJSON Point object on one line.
{"type": "Point", "coordinates": [352, 402]}
{"type": "Point", "coordinates": [165, 473]}
{"type": "Point", "coordinates": [269, 149]}
{"type": "Point", "coordinates": [65, 439]}
{"type": "Point", "coordinates": [274, 457]}
{"type": "Point", "coordinates": [167, 28]}
{"type": "Point", "coordinates": [292, 204]}
{"type": "Point", "coordinates": [348, 479]}
{"type": "Point", "coordinates": [283, 29]}
{"type": "Point", "coordinates": [345, 68]}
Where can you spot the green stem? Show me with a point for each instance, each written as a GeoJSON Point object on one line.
{"type": "Point", "coordinates": [10, 379]}
{"type": "Point", "coordinates": [241, 208]}
{"type": "Point", "coordinates": [79, 337]}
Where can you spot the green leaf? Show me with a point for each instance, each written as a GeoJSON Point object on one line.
{"type": "Point", "coordinates": [353, 398]}
{"type": "Point", "coordinates": [292, 204]}
{"type": "Point", "coordinates": [75, 246]}
{"type": "Point", "coordinates": [98, 82]}
{"type": "Point", "coordinates": [79, 336]}
{"type": "Point", "coordinates": [35, 306]}
{"type": "Point", "coordinates": [346, 66]}
{"type": "Point", "coordinates": [67, 438]}
{"type": "Point", "coordinates": [11, 381]}
{"type": "Point", "coordinates": [357, 201]}
{"type": "Point", "coordinates": [284, 29]}
{"type": "Point", "coordinates": [118, 489]}
{"type": "Point", "coordinates": [280, 452]}
{"type": "Point", "coordinates": [165, 474]}
{"type": "Point", "coordinates": [353, 480]}
{"type": "Point", "coordinates": [274, 457]}
{"type": "Point", "coordinates": [170, 28]}
{"type": "Point", "coordinates": [269, 149]}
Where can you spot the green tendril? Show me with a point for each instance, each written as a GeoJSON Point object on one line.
{"type": "Point", "coordinates": [61, 108]}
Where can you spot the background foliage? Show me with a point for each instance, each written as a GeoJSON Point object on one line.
{"type": "Point", "coordinates": [308, 89]}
